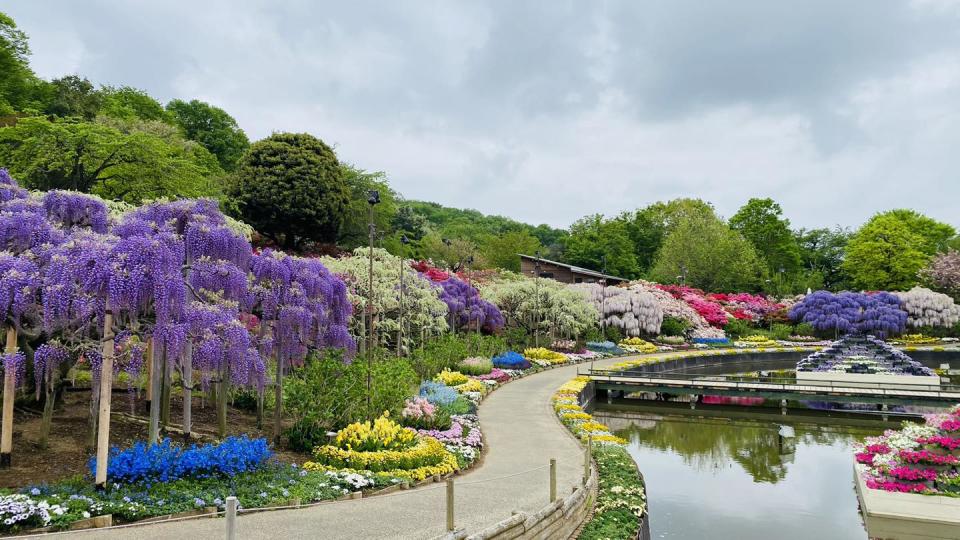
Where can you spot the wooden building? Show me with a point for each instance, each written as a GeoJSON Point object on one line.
{"type": "Point", "coordinates": [562, 272]}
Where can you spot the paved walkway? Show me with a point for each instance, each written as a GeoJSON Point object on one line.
{"type": "Point", "coordinates": [522, 433]}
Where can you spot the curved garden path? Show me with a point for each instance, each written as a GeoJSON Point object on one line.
{"type": "Point", "coordinates": [521, 432]}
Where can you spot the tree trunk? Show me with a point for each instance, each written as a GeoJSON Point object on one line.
{"type": "Point", "coordinates": [222, 394]}
{"type": "Point", "coordinates": [260, 408]}
{"type": "Point", "coordinates": [9, 390]}
{"type": "Point", "coordinates": [106, 389]}
{"type": "Point", "coordinates": [46, 421]}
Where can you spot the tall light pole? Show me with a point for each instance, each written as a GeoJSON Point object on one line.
{"type": "Point", "coordinates": [536, 313]}
{"type": "Point", "coordinates": [603, 303]}
{"type": "Point", "coordinates": [683, 275]}
{"type": "Point", "coordinates": [373, 199]}
{"type": "Point", "coordinates": [403, 246]}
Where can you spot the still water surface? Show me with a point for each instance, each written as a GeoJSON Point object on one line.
{"type": "Point", "coordinates": [728, 477]}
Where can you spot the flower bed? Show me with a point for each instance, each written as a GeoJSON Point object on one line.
{"type": "Point", "coordinates": [544, 357]}
{"type": "Point", "coordinates": [384, 446]}
{"type": "Point", "coordinates": [637, 345]}
{"type": "Point", "coordinates": [621, 496]}
{"type": "Point", "coordinates": [920, 458]}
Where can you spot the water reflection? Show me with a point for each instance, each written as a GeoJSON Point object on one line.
{"type": "Point", "coordinates": [722, 477]}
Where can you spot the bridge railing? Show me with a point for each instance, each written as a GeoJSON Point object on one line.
{"type": "Point", "coordinates": [772, 383]}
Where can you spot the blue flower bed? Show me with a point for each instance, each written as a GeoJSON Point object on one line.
{"type": "Point", "coordinates": [711, 341]}
{"type": "Point", "coordinates": [165, 462]}
{"type": "Point", "coordinates": [607, 347]}
{"type": "Point", "coordinates": [511, 360]}
{"type": "Point", "coordinates": [438, 393]}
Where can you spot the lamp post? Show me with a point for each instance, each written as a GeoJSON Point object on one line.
{"type": "Point", "coordinates": [683, 275]}
{"type": "Point", "coordinates": [373, 199]}
{"type": "Point", "coordinates": [603, 303]}
{"type": "Point", "coordinates": [403, 245]}
{"type": "Point", "coordinates": [780, 281]}
{"type": "Point", "coordinates": [536, 313]}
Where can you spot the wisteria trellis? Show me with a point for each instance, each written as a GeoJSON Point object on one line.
{"type": "Point", "coordinates": [170, 273]}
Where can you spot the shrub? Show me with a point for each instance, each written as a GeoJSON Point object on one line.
{"type": "Point", "coordinates": [511, 360]}
{"type": "Point", "coordinates": [459, 406]}
{"type": "Point", "coordinates": [737, 327]}
{"type": "Point", "coordinates": [805, 329]}
{"type": "Point", "coordinates": [165, 462]}
{"type": "Point", "coordinates": [326, 394]}
{"type": "Point", "coordinates": [781, 331]}
{"type": "Point", "coordinates": [673, 326]}
{"type": "Point", "coordinates": [427, 457]}
{"type": "Point", "coordinates": [382, 434]}
{"type": "Point", "coordinates": [475, 366]}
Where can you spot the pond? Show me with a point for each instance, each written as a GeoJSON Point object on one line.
{"type": "Point", "coordinates": [726, 474]}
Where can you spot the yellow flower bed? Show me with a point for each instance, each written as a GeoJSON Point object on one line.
{"type": "Point", "coordinates": [915, 339]}
{"type": "Point", "coordinates": [451, 378]}
{"type": "Point", "coordinates": [544, 355]}
{"type": "Point", "coordinates": [472, 385]}
{"type": "Point", "coordinates": [382, 434]}
{"type": "Point", "coordinates": [582, 424]}
{"type": "Point", "coordinates": [425, 458]}
{"type": "Point", "coordinates": [637, 345]}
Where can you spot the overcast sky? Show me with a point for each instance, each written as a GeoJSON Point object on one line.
{"type": "Point", "coordinates": [547, 111]}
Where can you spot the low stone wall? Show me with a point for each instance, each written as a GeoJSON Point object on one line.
{"type": "Point", "coordinates": [559, 519]}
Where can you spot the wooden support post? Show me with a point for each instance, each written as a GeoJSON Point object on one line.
{"type": "Point", "coordinates": [587, 457]}
{"type": "Point", "coordinates": [187, 379]}
{"type": "Point", "coordinates": [149, 362]}
{"type": "Point", "coordinates": [231, 520]}
{"type": "Point", "coordinates": [106, 389]}
{"type": "Point", "coordinates": [156, 362]}
{"type": "Point", "coordinates": [553, 479]}
{"type": "Point", "coordinates": [9, 391]}
{"type": "Point", "coordinates": [165, 393]}
{"type": "Point", "coordinates": [449, 504]}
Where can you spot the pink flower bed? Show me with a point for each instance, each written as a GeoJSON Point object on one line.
{"type": "Point", "coordinates": [920, 458]}
{"type": "Point", "coordinates": [496, 374]}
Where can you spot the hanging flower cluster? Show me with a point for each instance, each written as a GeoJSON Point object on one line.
{"type": "Point", "coordinates": [927, 308]}
{"type": "Point", "coordinates": [633, 311]}
{"type": "Point", "coordinates": [879, 314]}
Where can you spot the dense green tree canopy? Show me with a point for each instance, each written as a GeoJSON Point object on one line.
{"type": "Point", "coordinates": [760, 221]}
{"type": "Point", "coordinates": [501, 251]}
{"type": "Point", "coordinates": [18, 84]}
{"type": "Point", "coordinates": [131, 103]}
{"type": "Point", "coordinates": [290, 187]}
{"type": "Point", "coordinates": [100, 159]}
{"type": "Point", "coordinates": [74, 96]}
{"type": "Point", "coordinates": [649, 226]}
{"type": "Point", "coordinates": [821, 254]}
{"type": "Point", "coordinates": [596, 243]}
{"type": "Point", "coordinates": [713, 256]}
{"type": "Point", "coordinates": [213, 128]}
{"type": "Point", "coordinates": [886, 253]}
{"type": "Point", "coordinates": [935, 235]}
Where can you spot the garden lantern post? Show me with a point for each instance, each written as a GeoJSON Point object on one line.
{"type": "Point", "coordinates": [403, 244]}
{"type": "Point", "coordinates": [373, 198]}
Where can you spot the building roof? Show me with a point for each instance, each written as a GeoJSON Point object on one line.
{"type": "Point", "coordinates": [572, 268]}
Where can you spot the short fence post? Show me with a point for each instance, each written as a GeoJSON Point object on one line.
{"type": "Point", "coordinates": [553, 479]}
{"type": "Point", "coordinates": [231, 517]}
{"type": "Point", "coordinates": [449, 504]}
{"type": "Point", "coordinates": [586, 459]}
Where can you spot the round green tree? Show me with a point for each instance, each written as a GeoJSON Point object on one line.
{"type": "Point", "coordinates": [290, 187]}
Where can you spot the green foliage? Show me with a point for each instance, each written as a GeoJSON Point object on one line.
{"type": "Point", "coordinates": [356, 218]}
{"type": "Point", "coordinates": [613, 334]}
{"type": "Point", "coordinates": [100, 159]}
{"type": "Point", "coordinates": [804, 329]}
{"type": "Point", "coordinates": [73, 96]}
{"type": "Point", "coordinates": [455, 254]}
{"type": "Point", "coordinates": [885, 254]}
{"type": "Point", "coordinates": [500, 251]}
{"type": "Point", "coordinates": [131, 103]}
{"type": "Point", "coordinates": [410, 222]}
{"type": "Point", "coordinates": [673, 326]}
{"type": "Point", "coordinates": [598, 244]}
{"type": "Point", "coordinates": [212, 127]}
{"type": "Point", "coordinates": [649, 226]}
{"type": "Point", "coordinates": [326, 394]}
{"type": "Point", "coordinates": [290, 187]}
{"type": "Point", "coordinates": [781, 331]}
{"type": "Point", "coordinates": [462, 405]}
{"type": "Point", "coordinates": [448, 350]}
{"type": "Point", "coordinates": [715, 257]}
{"type": "Point", "coordinates": [737, 328]}
{"type": "Point", "coordinates": [760, 222]}
{"type": "Point", "coordinates": [935, 235]}
{"type": "Point", "coordinates": [19, 87]}
{"type": "Point", "coordinates": [621, 496]}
